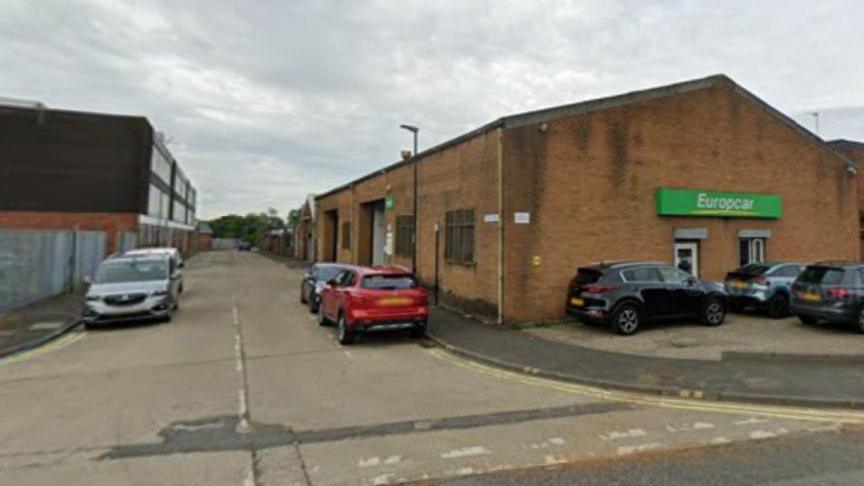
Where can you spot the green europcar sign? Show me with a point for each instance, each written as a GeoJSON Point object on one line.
{"type": "Point", "coordinates": [695, 202]}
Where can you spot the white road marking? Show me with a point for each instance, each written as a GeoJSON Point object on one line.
{"type": "Point", "coordinates": [553, 460]}
{"type": "Point", "coordinates": [383, 479]}
{"type": "Point", "coordinates": [349, 355]}
{"type": "Point", "coordinates": [46, 326]}
{"type": "Point", "coordinates": [558, 441]}
{"type": "Point", "coordinates": [465, 471]}
{"type": "Point", "coordinates": [750, 421]}
{"type": "Point", "coordinates": [767, 434]}
{"type": "Point", "coordinates": [687, 427]}
{"type": "Point", "coordinates": [719, 441]}
{"type": "Point", "coordinates": [625, 450]}
{"type": "Point", "coordinates": [393, 460]}
{"type": "Point", "coordinates": [629, 433]}
{"type": "Point", "coordinates": [372, 461]}
{"type": "Point", "coordinates": [466, 452]}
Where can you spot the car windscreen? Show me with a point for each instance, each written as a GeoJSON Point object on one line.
{"type": "Point", "coordinates": [119, 272]}
{"type": "Point", "coordinates": [587, 276]}
{"type": "Point", "coordinates": [821, 275]}
{"type": "Point", "coordinates": [388, 282]}
{"type": "Point", "coordinates": [752, 269]}
{"type": "Point", "coordinates": [327, 273]}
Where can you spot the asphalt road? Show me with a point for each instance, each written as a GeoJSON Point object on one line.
{"type": "Point", "coordinates": [244, 388]}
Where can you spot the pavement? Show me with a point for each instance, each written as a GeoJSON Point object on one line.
{"type": "Point", "coordinates": [809, 383]}
{"type": "Point", "coordinates": [37, 323]}
{"type": "Point", "coordinates": [243, 387]}
{"type": "Point", "coordinates": [751, 335]}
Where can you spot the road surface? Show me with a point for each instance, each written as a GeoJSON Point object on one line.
{"type": "Point", "coordinates": [244, 388]}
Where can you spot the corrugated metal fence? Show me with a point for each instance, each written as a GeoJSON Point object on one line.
{"type": "Point", "coordinates": [38, 264]}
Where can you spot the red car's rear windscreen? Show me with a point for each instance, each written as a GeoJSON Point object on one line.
{"type": "Point", "coordinates": [388, 282]}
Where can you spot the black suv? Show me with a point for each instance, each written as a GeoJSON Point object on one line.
{"type": "Point", "coordinates": [830, 291]}
{"type": "Point", "coordinates": [625, 294]}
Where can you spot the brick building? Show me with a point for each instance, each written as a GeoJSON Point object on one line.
{"type": "Point", "coordinates": [702, 171]}
{"type": "Point", "coordinates": [304, 231]}
{"type": "Point", "coordinates": [71, 170]}
{"type": "Point", "coordinates": [855, 151]}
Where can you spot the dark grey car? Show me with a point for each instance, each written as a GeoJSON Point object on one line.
{"type": "Point", "coordinates": [313, 282]}
{"type": "Point", "coordinates": [626, 294]}
{"type": "Point", "coordinates": [830, 291]}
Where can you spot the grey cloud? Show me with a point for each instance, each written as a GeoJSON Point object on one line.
{"type": "Point", "coordinates": [270, 100]}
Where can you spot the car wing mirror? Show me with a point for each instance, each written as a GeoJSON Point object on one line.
{"type": "Point", "coordinates": [332, 282]}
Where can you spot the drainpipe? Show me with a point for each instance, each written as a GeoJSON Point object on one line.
{"type": "Point", "coordinates": [501, 220]}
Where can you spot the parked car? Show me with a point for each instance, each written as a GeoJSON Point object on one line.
{"type": "Point", "coordinates": [364, 299]}
{"type": "Point", "coordinates": [624, 295]}
{"type": "Point", "coordinates": [314, 280]}
{"type": "Point", "coordinates": [244, 246]}
{"type": "Point", "coordinates": [765, 286]}
{"type": "Point", "coordinates": [177, 263]}
{"type": "Point", "coordinates": [130, 288]}
{"type": "Point", "coordinates": [830, 291]}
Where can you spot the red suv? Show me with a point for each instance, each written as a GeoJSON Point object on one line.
{"type": "Point", "coordinates": [367, 299]}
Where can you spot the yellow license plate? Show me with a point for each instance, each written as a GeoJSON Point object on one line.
{"type": "Point", "coordinates": [577, 301]}
{"type": "Point", "coordinates": [738, 284]}
{"type": "Point", "coordinates": [810, 296]}
{"type": "Point", "coordinates": [390, 301]}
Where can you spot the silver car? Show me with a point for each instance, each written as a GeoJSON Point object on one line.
{"type": "Point", "coordinates": [177, 263]}
{"type": "Point", "coordinates": [130, 288]}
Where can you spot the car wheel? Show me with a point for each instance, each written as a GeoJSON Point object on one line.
{"type": "Point", "coordinates": [626, 319]}
{"type": "Point", "coordinates": [714, 312]}
{"type": "Point", "coordinates": [302, 294]}
{"type": "Point", "coordinates": [344, 334]}
{"type": "Point", "coordinates": [419, 331]}
{"type": "Point", "coordinates": [811, 320]}
{"type": "Point", "coordinates": [312, 302]}
{"type": "Point", "coordinates": [322, 319]}
{"type": "Point", "coordinates": [861, 321]}
{"type": "Point", "coordinates": [778, 306]}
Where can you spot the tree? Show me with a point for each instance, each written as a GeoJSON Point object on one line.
{"type": "Point", "coordinates": [251, 227]}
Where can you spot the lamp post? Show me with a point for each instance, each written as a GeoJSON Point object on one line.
{"type": "Point", "coordinates": [414, 131]}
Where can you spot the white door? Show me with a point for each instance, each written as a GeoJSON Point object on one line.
{"type": "Point", "coordinates": [687, 257]}
{"type": "Point", "coordinates": [379, 228]}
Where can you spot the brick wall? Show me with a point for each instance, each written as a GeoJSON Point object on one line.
{"type": "Point", "coordinates": [592, 195]}
{"type": "Point", "coordinates": [110, 223]}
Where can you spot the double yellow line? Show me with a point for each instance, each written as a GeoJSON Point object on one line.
{"type": "Point", "coordinates": [795, 413]}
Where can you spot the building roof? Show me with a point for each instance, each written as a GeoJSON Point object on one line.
{"type": "Point", "coordinates": [599, 104]}
{"type": "Point", "coordinates": [846, 144]}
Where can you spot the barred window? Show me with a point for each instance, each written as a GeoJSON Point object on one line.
{"type": "Point", "coordinates": [405, 235]}
{"type": "Point", "coordinates": [459, 244]}
{"type": "Point", "coordinates": [346, 235]}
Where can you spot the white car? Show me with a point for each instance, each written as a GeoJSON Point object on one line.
{"type": "Point", "coordinates": [177, 263]}
{"type": "Point", "coordinates": [130, 288]}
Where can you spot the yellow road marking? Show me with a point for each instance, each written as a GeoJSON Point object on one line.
{"type": "Point", "coordinates": [797, 413]}
{"type": "Point", "coordinates": [55, 345]}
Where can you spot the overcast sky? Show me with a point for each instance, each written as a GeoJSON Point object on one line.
{"type": "Point", "coordinates": [267, 101]}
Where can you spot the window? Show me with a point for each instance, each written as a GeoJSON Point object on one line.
{"type": "Point", "coordinates": [346, 235]}
{"type": "Point", "coordinates": [459, 244]}
{"type": "Point", "coordinates": [751, 250]}
{"type": "Point", "coordinates": [821, 275]}
{"type": "Point", "coordinates": [164, 205]}
{"type": "Point", "coordinates": [642, 274]}
{"type": "Point", "coordinates": [389, 282]}
{"type": "Point", "coordinates": [405, 235]}
{"type": "Point", "coordinates": [346, 279]}
{"type": "Point", "coordinates": [160, 165]}
{"type": "Point", "coordinates": [674, 276]}
{"type": "Point", "coordinates": [153, 201]}
{"type": "Point", "coordinates": [790, 271]}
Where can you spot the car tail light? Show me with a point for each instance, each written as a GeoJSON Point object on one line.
{"type": "Point", "coordinates": [598, 289]}
{"type": "Point", "coordinates": [837, 293]}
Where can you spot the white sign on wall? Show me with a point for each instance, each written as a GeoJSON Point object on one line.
{"type": "Point", "coordinates": [521, 218]}
{"type": "Point", "coordinates": [388, 241]}
{"type": "Point", "coordinates": [490, 218]}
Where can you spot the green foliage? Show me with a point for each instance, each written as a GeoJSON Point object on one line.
{"type": "Point", "coordinates": [251, 227]}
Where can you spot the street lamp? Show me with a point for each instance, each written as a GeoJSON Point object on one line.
{"type": "Point", "coordinates": [414, 130]}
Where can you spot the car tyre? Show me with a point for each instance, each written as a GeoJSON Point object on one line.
{"type": "Point", "coordinates": [322, 319]}
{"type": "Point", "coordinates": [312, 302]}
{"type": "Point", "coordinates": [419, 331]}
{"type": "Point", "coordinates": [810, 321]}
{"type": "Point", "coordinates": [302, 294]}
{"type": "Point", "coordinates": [344, 333]}
{"type": "Point", "coordinates": [626, 319]}
{"type": "Point", "coordinates": [714, 312]}
{"type": "Point", "coordinates": [778, 306]}
{"type": "Point", "coordinates": [860, 325]}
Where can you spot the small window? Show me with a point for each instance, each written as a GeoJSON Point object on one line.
{"type": "Point", "coordinates": [751, 250]}
{"type": "Point", "coordinates": [347, 279]}
{"type": "Point", "coordinates": [642, 274]}
{"type": "Point", "coordinates": [459, 242]}
{"type": "Point", "coordinates": [346, 235]}
{"type": "Point", "coordinates": [822, 275]}
{"type": "Point", "coordinates": [789, 271]}
{"type": "Point", "coordinates": [674, 276]}
{"type": "Point", "coordinates": [405, 235]}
